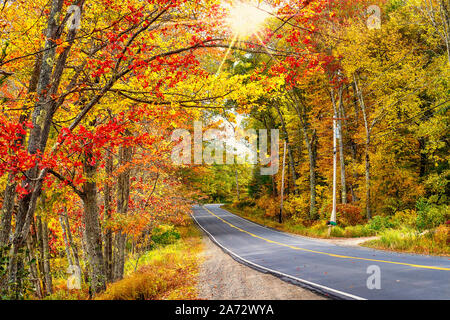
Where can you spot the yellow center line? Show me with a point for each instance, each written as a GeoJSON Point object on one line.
{"type": "Point", "coordinates": [324, 253]}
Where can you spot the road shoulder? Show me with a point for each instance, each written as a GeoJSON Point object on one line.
{"type": "Point", "coordinates": [223, 278]}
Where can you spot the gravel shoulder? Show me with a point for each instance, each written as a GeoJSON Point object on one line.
{"type": "Point", "coordinates": [223, 278]}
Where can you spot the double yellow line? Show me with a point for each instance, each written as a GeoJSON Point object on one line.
{"type": "Point", "coordinates": [324, 253]}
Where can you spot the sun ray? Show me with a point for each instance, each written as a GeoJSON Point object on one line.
{"type": "Point", "coordinates": [246, 18]}
{"type": "Point", "coordinates": [265, 47]}
{"type": "Point", "coordinates": [233, 41]}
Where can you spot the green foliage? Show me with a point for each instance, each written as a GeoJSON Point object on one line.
{"type": "Point", "coordinates": [430, 215]}
{"type": "Point", "coordinates": [438, 187]}
{"type": "Point", "coordinates": [217, 183]}
{"type": "Point", "coordinates": [405, 218]}
{"type": "Point", "coordinates": [358, 231]}
{"type": "Point", "coordinates": [409, 240]}
{"type": "Point", "coordinates": [337, 232]}
{"type": "Point", "coordinates": [165, 235]}
{"type": "Point", "coordinates": [241, 204]}
{"type": "Point", "coordinates": [20, 289]}
{"type": "Point", "coordinates": [393, 5]}
{"type": "Point", "coordinates": [379, 223]}
{"type": "Point", "coordinates": [259, 185]}
{"type": "Point", "coordinates": [3, 270]}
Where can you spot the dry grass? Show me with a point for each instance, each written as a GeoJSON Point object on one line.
{"type": "Point", "coordinates": [60, 291]}
{"type": "Point", "coordinates": [168, 273]}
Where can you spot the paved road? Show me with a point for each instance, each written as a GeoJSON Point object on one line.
{"type": "Point", "coordinates": [338, 271]}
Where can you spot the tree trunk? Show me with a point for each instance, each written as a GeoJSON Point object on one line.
{"type": "Point", "coordinates": [237, 184]}
{"type": "Point", "coordinates": [41, 119]}
{"type": "Point", "coordinates": [123, 195]}
{"type": "Point", "coordinates": [7, 210]}
{"type": "Point", "coordinates": [66, 241]}
{"type": "Point", "coordinates": [32, 261]}
{"type": "Point", "coordinates": [47, 271]}
{"type": "Point", "coordinates": [353, 185]}
{"type": "Point", "coordinates": [341, 147]}
{"type": "Point", "coordinates": [311, 146]}
{"type": "Point", "coordinates": [92, 227]}
{"type": "Point", "coordinates": [338, 113]}
{"type": "Point", "coordinates": [444, 9]}
{"type": "Point", "coordinates": [10, 190]}
{"type": "Point", "coordinates": [367, 160]}
{"type": "Point", "coordinates": [289, 150]}
{"type": "Point", "coordinates": [272, 177]}
{"type": "Point", "coordinates": [312, 175]}
{"type": "Point", "coordinates": [119, 255]}
{"type": "Point", "coordinates": [70, 239]}
{"type": "Point", "coordinates": [108, 211]}
{"type": "Point", "coordinates": [367, 157]}
{"type": "Point", "coordinates": [36, 245]}
{"type": "Point", "coordinates": [84, 255]}
{"type": "Point", "coordinates": [40, 245]}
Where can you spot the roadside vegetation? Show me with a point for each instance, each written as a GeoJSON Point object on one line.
{"type": "Point", "coordinates": [317, 229]}
{"type": "Point", "coordinates": [168, 270]}
{"type": "Point", "coordinates": [164, 273]}
{"type": "Point", "coordinates": [424, 230]}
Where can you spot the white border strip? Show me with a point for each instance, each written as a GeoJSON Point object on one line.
{"type": "Point", "coordinates": [277, 272]}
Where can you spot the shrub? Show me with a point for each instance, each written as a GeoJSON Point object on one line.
{"type": "Point", "coordinates": [270, 205]}
{"type": "Point", "coordinates": [318, 229]}
{"type": "Point", "coordinates": [164, 235]}
{"type": "Point", "coordinates": [244, 203]}
{"type": "Point", "coordinates": [22, 288]}
{"type": "Point", "coordinates": [320, 225]}
{"type": "Point", "coordinates": [358, 231]}
{"type": "Point", "coordinates": [325, 208]}
{"type": "Point", "coordinates": [379, 223]}
{"type": "Point", "coordinates": [337, 232]}
{"type": "Point", "coordinates": [349, 215]}
{"type": "Point", "coordinates": [297, 207]}
{"type": "Point", "coordinates": [429, 215]}
{"type": "Point", "coordinates": [442, 235]}
{"type": "Point", "coordinates": [406, 218]}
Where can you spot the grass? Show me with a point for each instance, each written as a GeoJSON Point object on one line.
{"type": "Point", "coordinates": [164, 273]}
{"type": "Point", "coordinates": [435, 242]}
{"type": "Point", "coordinates": [167, 273]}
{"type": "Point", "coordinates": [319, 230]}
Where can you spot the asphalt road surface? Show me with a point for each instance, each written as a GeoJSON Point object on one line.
{"type": "Point", "coordinates": [337, 271]}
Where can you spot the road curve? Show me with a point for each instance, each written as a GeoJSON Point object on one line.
{"type": "Point", "coordinates": [337, 271]}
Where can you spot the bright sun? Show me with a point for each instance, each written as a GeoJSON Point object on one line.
{"type": "Point", "coordinates": [245, 19]}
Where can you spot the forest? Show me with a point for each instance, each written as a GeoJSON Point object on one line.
{"type": "Point", "coordinates": [91, 93]}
